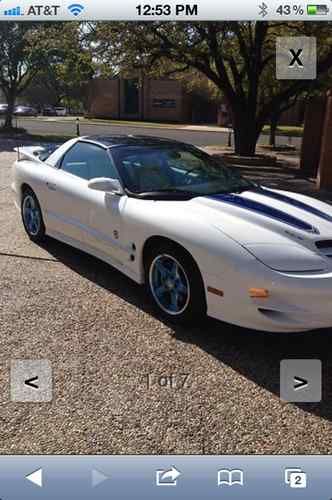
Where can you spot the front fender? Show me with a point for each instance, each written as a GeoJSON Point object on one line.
{"type": "Point", "coordinates": [214, 252]}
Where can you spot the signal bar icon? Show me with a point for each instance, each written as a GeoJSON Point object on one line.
{"type": "Point", "coordinates": [14, 12]}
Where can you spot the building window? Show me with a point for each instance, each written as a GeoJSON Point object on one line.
{"type": "Point", "coordinates": [131, 95]}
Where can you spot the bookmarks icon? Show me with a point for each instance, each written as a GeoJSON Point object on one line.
{"type": "Point", "coordinates": [232, 477]}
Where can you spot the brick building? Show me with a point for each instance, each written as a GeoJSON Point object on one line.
{"type": "Point", "coordinates": [156, 100]}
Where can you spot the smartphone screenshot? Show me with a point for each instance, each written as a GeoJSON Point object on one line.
{"type": "Point", "coordinates": [165, 250]}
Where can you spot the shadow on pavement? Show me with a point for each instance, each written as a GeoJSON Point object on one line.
{"type": "Point", "coordinates": [8, 145]}
{"type": "Point", "coordinates": [252, 354]}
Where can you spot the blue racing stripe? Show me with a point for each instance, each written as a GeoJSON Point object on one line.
{"type": "Point", "coordinates": [273, 213]}
{"type": "Point", "coordinates": [294, 203]}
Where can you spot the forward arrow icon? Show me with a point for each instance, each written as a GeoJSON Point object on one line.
{"type": "Point", "coordinates": [98, 478]}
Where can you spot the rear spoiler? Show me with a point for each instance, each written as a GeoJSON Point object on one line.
{"type": "Point", "coordinates": [36, 153]}
{"type": "Point", "coordinates": [29, 153]}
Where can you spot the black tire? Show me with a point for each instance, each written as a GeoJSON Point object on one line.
{"type": "Point", "coordinates": [191, 307]}
{"type": "Point", "coordinates": [36, 229]}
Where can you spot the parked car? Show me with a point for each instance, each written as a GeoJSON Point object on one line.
{"type": "Point", "coordinates": [61, 111]}
{"type": "Point", "coordinates": [3, 109]}
{"type": "Point", "coordinates": [200, 237]}
{"type": "Point", "coordinates": [49, 111]}
{"type": "Point", "coordinates": [22, 110]}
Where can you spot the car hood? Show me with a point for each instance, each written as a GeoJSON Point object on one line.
{"type": "Point", "coordinates": [267, 216]}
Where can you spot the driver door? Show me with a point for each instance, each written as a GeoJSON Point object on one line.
{"type": "Point", "coordinates": [105, 223]}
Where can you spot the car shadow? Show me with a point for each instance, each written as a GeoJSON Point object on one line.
{"type": "Point", "coordinates": [254, 355]}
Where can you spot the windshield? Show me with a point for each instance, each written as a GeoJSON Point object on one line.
{"type": "Point", "coordinates": [175, 169]}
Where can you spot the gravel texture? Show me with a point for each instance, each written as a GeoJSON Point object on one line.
{"type": "Point", "coordinates": [102, 338]}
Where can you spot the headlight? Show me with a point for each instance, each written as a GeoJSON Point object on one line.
{"type": "Point", "coordinates": [287, 258]}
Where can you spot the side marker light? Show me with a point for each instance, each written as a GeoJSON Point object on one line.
{"type": "Point", "coordinates": [259, 293]}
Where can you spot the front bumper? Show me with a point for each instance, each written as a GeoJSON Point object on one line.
{"type": "Point", "coordinates": [296, 303]}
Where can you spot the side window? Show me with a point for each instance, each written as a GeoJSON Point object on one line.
{"type": "Point", "coordinates": [88, 161]}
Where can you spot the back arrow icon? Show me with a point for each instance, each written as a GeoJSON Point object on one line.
{"type": "Point", "coordinates": [36, 478]}
{"type": "Point", "coordinates": [30, 382]}
{"type": "Point", "coordinates": [300, 383]}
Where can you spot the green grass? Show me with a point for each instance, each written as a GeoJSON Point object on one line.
{"type": "Point", "coordinates": [284, 130]}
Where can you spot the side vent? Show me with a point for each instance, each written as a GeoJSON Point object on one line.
{"type": "Point", "coordinates": [325, 247]}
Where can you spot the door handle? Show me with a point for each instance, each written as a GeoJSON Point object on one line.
{"type": "Point", "coordinates": [51, 186]}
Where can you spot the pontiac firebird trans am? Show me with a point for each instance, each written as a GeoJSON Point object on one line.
{"type": "Point", "coordinates": [202, 239]}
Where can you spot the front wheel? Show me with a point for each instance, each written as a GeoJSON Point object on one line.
{"type": "Point", "coordinates": [174, 284]}
{"type": "Point", "coordinates": [32, 216]}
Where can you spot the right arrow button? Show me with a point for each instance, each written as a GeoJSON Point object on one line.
{"type": "Point", "coordinates": [301, 380]}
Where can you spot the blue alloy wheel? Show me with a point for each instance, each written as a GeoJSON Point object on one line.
{"type": "Point", "coordinates": [31, 215]}
{"type": "Point", "coordinates": [169, 285]}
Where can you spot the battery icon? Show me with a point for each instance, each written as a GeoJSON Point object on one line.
{"type": "Point", "coordinates": [317, 10]}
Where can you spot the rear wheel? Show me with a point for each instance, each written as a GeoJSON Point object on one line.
{"type": "Point", "coordinates": [174, 284]}
{"type": "Point", "coordinates": [32, 216]}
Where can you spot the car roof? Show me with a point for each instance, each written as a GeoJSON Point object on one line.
{"type": "Point", "coordinates": [113, 141]}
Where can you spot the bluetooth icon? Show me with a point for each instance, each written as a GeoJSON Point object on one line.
{"type": "Point", "coordinates": [263, 9]}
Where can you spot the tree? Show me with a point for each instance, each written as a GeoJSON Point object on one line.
{"type": "Point", "coordinates": [51, 55]}
{"type": "Point", "coordinates": [206, 98]}
{"type": "Point", "coordinates": [70, 66]}
{"type": "Point", "coordinates": [235, 56]}
{"type": "Point", "coordinates": [21, 57]}
{"type": "Point", "coordinates": [271, 86]}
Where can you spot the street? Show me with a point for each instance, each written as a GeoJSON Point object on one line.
{"type": "Point", "coordinates": [200, 137]}
{"type": "Point", "coordinates": [125, 381]}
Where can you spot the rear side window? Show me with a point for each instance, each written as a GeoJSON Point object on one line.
{"type": "Point", "coordinates": [88, 161]}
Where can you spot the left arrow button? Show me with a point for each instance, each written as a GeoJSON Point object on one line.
{"type": "Point", "coordinates": [32, 382]}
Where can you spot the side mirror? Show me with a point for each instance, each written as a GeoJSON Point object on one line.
{"type": "Point", "coordinates": [106, 185]}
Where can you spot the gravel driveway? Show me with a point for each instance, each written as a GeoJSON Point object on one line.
{"type": "Point", "coordinates": [125, 382]}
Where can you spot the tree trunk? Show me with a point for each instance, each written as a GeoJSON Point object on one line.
{"type": "Point", "coordinates": [245, 135]}
{"type": "Point", "coordinates": [10, 111]}
{"type": "Point", "coordinates": [273, 129]}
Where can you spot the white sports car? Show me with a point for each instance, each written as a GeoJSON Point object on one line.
{"type": "Point", "coordinates": [202, 239]}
